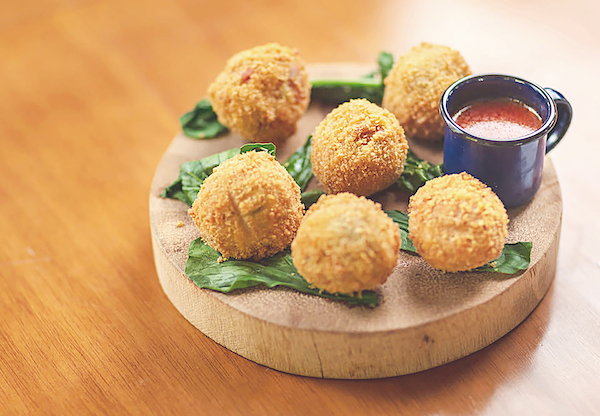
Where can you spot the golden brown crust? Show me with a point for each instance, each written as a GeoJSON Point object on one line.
{"type": "Point", "coordinates": [249, 207]}
{"type": "Point", "coordinates": [346, 244]}
{"type": "Point", "coordinates": [359, 147]}
{"type": "Point", "coordinates": [262, 93]}
{"type": "Point", "coordinates": [415, 85]}
{"type": "Point", "coordinates": [457, 223]}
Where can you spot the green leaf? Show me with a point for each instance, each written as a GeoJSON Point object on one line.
{"type": "Point", "coordinates": [175, 191]}
{"type": "Point", "coordinates": [416, 172]}
{"type": "Point", "coordinates": [259, 147]}
{"type": "Point", "coordinates": [201, 122]}
{"type": "Point", "coordinates": [192, 174]}
{"type": "Point", "coordinates": [514, 257]}
{"type": "Point", "coordinates": [370, 86]}
{"type": "Point", "coordinates": [203, 268]}
{"type": "Point", "coordinates": [386, 63]}
{"type": "Point", "coordinates": [298, 165]}
{"type": "Point", "coordinates": [310, 197]}
{"type": "Point", "coordinates": [337, 91]}
{"type": "Point", "coordinates": [401, 220]}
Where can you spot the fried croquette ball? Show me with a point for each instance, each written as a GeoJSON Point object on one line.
{"type": "Point", "coordinates": [248, 208]}
{"type": "Point", "coordinates": [359, 147]}
{"type": "Point", "coordinates": [346, 244]}
{"type": "Point", "coordinates": [262, 93]}
{"type": "Point", "coordinates": [415, 85]}
{"type": "Point", "coordinates": [457, 223]}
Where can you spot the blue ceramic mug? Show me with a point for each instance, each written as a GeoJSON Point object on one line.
{"type": "Point", "coordinates": [512, 168]}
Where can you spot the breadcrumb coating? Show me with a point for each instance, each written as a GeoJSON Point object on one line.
{"type": "Point", "coordinates": [262, 93]}
{"type": "Point", "coordinates": [457, 223]}
{"type": "Point", "coordinates": [415, 85]}
{"type": "Point", "coordinates": [346, 244]}
{"type": "Point", "coordinates": [248, 208]}
{"type": "Point", "coordinates": [359, 147]}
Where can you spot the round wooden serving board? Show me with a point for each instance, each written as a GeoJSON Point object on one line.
{"type": "Point", "coordinates": [425, 318]}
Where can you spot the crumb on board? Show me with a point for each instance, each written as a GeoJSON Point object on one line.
{"type": "Point", "coordinates": [179, 223]}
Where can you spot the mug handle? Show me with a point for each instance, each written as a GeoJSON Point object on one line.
{"type": "Point", "coordinates": [564, 115]}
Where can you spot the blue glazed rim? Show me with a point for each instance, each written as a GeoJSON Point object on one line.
{"type": "Point", "coordinates": [546, 127]}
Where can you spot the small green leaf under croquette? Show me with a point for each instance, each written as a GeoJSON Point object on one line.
{"type": "Point", "coordinates": [515, 257]}
{"type": "Point", "coordinates": [201, 122]}
{"type": "Point", "coordinates": [205, 270]}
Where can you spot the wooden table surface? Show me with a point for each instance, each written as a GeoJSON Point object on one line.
{"type": "Point", "coordinates": [90, 95]}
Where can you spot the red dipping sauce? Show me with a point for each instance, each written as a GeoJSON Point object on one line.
{"type": "Point", "coordinates": [498, 119]}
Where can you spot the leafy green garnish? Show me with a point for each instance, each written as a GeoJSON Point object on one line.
{"type": "Point", "coordinates": [203, 268]}
{"type": "Point", "coordinates": [299, 166]}
{"type": "Point", "coordinates": [371, 86]}
{"type": "Point", "coordinates": [339, 91]}
{"type": "Point", "coordinates": [192, 174]}
{"type": "Point", "coordinates": [401, 220]}
{"type": "Point", "coordinates": [386, 63]}
{"type": "Point", "coordinates": [259, 147]}
{"type": "Point", "coordinates": [201, 122]}
{"type": "Point", "coordinates": [185, 188]}
{"type": "Point", "coordinates": [514, 257]}
{"type": "Point", "coordinates": [416, 172]}
{"type": "Point", "coordinates": [310, 197]}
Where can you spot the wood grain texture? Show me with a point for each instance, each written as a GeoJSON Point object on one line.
{"type": "Point", "coordinates": [90, 93]}
{"type": "Point", "coordinates": [426, 318]}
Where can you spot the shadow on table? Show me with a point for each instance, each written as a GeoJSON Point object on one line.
{"type": "Point", "coordinates": [464, 386]}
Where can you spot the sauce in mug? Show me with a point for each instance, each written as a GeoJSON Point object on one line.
{"type": "Point", "coordinates": [498, 119]}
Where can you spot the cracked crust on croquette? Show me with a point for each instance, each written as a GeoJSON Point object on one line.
{"type": "Point", "coordinates": [346, 244]}
{"type": "Point", "coordinates": [415, 85]}
{"type": "Point", "coordinates": [249, 207]}
{"type": "Point", "coordinates": [358, 147]}
{"type": "Point", "coordinates": [457, 223]}
{"type": "Point", "coordinates": [262, 93]}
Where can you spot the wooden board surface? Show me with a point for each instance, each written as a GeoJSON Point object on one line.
{"type": "Point", "coordinates": [425, 318]}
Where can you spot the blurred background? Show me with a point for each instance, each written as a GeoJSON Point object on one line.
{"type": "Point", "coordinates": [90, 96]}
